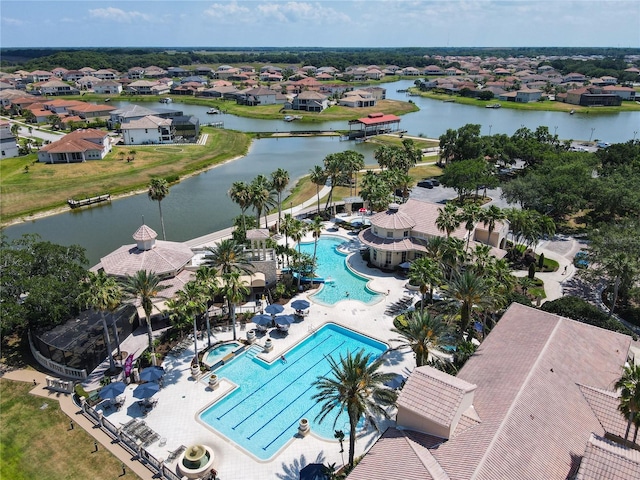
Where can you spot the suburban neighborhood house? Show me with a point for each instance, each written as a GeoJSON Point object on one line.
{"type": "Point", "coordinates": [8, 144]}
{"type": "Point", "coordinates": [401, 233]}
{"type": "Point", "coordinates": [533, 402]}
{"type": "Point", "coordinates": [148, 130]}
{"type": "Point", "coordinates": [77, 146]}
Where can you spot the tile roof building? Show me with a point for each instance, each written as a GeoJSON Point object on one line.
{"type": "Point", "coordinates": [401, 233]}
{"type": "Point", "coordinates": [77, 146]}
{"type": "Point", "coordinates": [529, 416]}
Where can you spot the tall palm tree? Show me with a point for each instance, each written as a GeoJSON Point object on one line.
{"type": "Point", "coordinates": [426, 273]}
{"type": "Point", "coordinates": [490, 216]}
{"type": "Point", "coordinates": [190, 302]}
{"type": "Point", "coordinates": [333, 170]}
{"type": "Point", "coordinates": [352, 163]}
{"type": "Point", "coordinates": [318, 177]}
{"type": "Point", "coordinates": [144, 286]}
{"type": "Point", "coordinates": [279, 181]}
{"type": "Point", "coordinates": [262, 197]}
{"type": "Point", "coordinates": [158, 190]}
{"type": "Point", "coordinates": [240, 193]}
{"type": "Point", "coordinates": [298, 231]}
{"type": "Point", "coordinates": [354, 385]}
{"type": "Point", "coordinates": [207, 278]}
{"type": "Point", "coordinates": [235, 291]}
{"type": "Point", "coordinates": [103, 294]}
{"type": "Point", "coordinates": [448, 219]}
{"type": "Point", "coordinates": [227, 256]}
{"type": "Point", "coordinates": [384, 155]}
{"type": "Point", "coordinates": [469, 291]}
{"type": "Point", "coordinates": [375, 191]}
{"type": "Point", "coordinates": [469, 216]}
{"type": "Point", "coordinates": [316, 230]}
{"type": "Point", "coordinates": [422, 333]}
{"type": "Point", "coordinates": [629, 386]}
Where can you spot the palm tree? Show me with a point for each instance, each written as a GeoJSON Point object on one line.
{"type": "Point", "coordinates": [469, 216]}
{"type": "Point", "coordinates": [207, 278]}
{"type": "Point", "coordinates": [158, 189]}
{"type": "Point", "coordinates": [103, 294]}
{"type": "Point", "coordinates": [318, 177]}
{"type": "Point", "coordinates": [190, 302]}
{"type": "Point", "coordinates": [235, 291]}
{"type": "Point", "coordinates": [489, 217]}
{"type": "Point", "coordinates": [352, 163]}
{"type": "Point", "coordinates": [375, 191]}
{"type": "Point", "coordinates": [384, 155]}
{"type": "Point", "coordinates": [316, 230]}
{"type": "Point", "coordinates": [262, 197]}
{"type": "Point", "coordinates": [333, 170]}
{"type": "Point", "coordinates": [629, 386]}
{"type": "Point", "coordinates": [426, 273]}
{"type": "Point", "coordinates": [448, 219]}
{"type": "Point", "coordinates": [144, 286]}
{"type": "Point", "coordinates": [469, 291]}
{"type": "Point", "coordinates": [279, 181]}
{"type": "Point", "coordinates": [356, 386]}
{"type": "Point", "coordinates": [298, 231]}
{"type": "Point", "coordinates": [422, 333]}
{"type": "Point", "coordinates": [227, 256]}
{"type": "Point", "coordinates": [240, 193]}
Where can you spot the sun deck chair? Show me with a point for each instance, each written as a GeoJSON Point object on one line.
{"type": "Point", "coordinates": [283, 328]}
{"type": "Point", "coordinates": [262, 328]}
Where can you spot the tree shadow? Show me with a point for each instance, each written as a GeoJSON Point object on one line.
{"type": "Point", "coordinates": [292, 471]}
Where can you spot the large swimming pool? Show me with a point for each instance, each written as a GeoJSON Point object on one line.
{"type": "Point", "coordinates": [340, 282]}
{"type": "Point", "coordinates": [262, 414]}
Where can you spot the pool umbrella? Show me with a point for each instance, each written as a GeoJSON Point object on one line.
{"type": "Point", "coordinates": [284, 320]}
{"type": "Point", "coordinates": [112, 390]}
{"type": "Point", "coordinates": [314, 471]}
{"type": "Point", "coordinates": [274, 308]}
{"type": "Point", "coordinates": [146, 390]}
{"type": "Point", "coordinates": [300, 304]}
{"type": "Point", "coordinates": [151, 374]}
{"type": "Point", "coordinates": [263, 320]}
{"type": "Point", "coordinates": [405, 265]}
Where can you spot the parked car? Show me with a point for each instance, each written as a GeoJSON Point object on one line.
{"type": "Point", "coordinates": [425, 184]}
{"type": "Point", "coordinates": [603, 144]}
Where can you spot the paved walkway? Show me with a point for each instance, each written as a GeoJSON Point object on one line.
{"type": "Point", "coordinates": [74, 413]}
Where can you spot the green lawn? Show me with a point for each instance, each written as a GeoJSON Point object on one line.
{"type": "Point", "coordinates": [36, 442]}
{"type": "Point", "coordinates": [47, 186]}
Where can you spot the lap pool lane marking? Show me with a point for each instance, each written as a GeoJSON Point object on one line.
{"type": "Point", "coordinates": [323, 359]}
{"type": "Point", "coordinates": [272, 379]}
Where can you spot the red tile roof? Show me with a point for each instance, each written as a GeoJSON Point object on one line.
{"type": "Point", "coordinates": [606, 460]}
{"type": "Point", "coordinates": [375, 119]}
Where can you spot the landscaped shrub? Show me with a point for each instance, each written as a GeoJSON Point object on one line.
{"type": "Point", "coordinates": [582, 311]}
{"type": "Point", "coordinates": [532, 271]}
{"type": "Point", "coordinates": [630, 314]}
{"type": "Point", "coordinates": [518, 298]}
{"type": "Point", "coordinates": [541, 261]}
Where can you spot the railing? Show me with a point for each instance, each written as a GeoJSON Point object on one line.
{"type": "Point", "coordinates": [63, 370]}
{"type": "Point", "coordinates": [157, 467]}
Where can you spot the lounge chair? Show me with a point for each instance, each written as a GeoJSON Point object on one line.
{"type": "Point", "coordinates": [283, 328]}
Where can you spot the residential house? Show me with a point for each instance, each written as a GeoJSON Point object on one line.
{"type": "Point", "coordinates": [524, 95]}
{"type": "Point", "coordinates": [89, 110]}
{"type": "Point", "coordinates": [574, 77]}
{"type": "Point", "coordinates": [625, 93]}
{"type": "Point", "coordinates": [409, 72]}
{"type": "Point", "coordinates": [59, 72]}
{"type": "Point", "coordinates": [524, 406]}
{"type": "Point", "coordinates": [204, 71]}
{"type": "Point", "coordinates": [77, 146]}
{"type": "Point", "coordinates": [128, 114]}
{"type": "Point", "coordinates": [55, 87]}
{"type": "Point", "coordinates": [310, 101]}
{"type": "Point", "coordinates": [226, 92]}
{"type": "Point", "coordinates": [358, 99]}
{"type": "Point", "coordinates": [148, 130]}
{"type": "Point", "coordinates": [108, 87]}
{"type": "Point", "coordinates": [401, 233]}
{"type": "Point", "coordinates": [154, 72]}
{"type": "Point", "coordinates": [38, 76]}
{"type": "Point", "coordinates": [73, 76]}
{"type": "Point", "coordinates": [186, 127]}
{"type": "Point", "coordinates": [40, 114]}
{"type": "Point", "coordinates": [433, 70]}
{"type": "Point", "coordinates": [135, 73]}
{"type": "Point", "coordinates": [105, 74]}
{"type": "Point", "coordinates": [61, 106]}
{"type": "Point", "coordinates": [604, 80]}
{"type": "Point", "coordinates": [178, 72]}
{"type": "Point", "coordinates": [146, 87]}
{"type": "Point", "coordinates": [8, 141]}
{"type": "Point", "coordinates": [87, 82]}
{"type": "Point", "coordinates": [17, 100]}
{"type": "Point", "coordinates": [590, 97]}
{"type": "Point", "coordinates": [379, 93]}
{"type": "Point", "coordinates": [225, 74]}
{"type": "Point", "coordinates": [259, 96]}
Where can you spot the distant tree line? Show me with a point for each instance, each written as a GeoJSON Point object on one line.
{"type": "Point", "coordinates": [124, 58]}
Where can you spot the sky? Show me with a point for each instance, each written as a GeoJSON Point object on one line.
{"type": "Point", "coordinates": [319, 23]}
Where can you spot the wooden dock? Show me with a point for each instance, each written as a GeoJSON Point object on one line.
{"type": "Point", "coordinates": [88, 201]}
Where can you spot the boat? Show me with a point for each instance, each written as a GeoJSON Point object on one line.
{"type": "Point", "coordinates": [213, 111]}
{"type": "Point", "coordinates": [401, 90]}
{"type": "Point", "coordinates": [572, 112]}
{"type": "Point", "coordinates": [166, 100]}
{"type": "Point", "coordinates": [107, 99]}
{"type": "Point", "coordinates": [291, 118]}
{"type": "Point", "coordinates": [88, 201]}
{"type": "Point", "coordinates": [494, 105]}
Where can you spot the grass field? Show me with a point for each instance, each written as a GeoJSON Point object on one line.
{"type": "Point", "coordinates": [47, 187]}
{"type": "Point", "coordinates": [36, 442]}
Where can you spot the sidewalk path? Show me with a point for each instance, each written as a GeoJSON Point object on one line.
{"type": "Point", "coordinates": [74, 413]}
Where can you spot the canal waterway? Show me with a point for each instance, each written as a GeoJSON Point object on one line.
{"type": "Point", "coordinates": [200, 205]}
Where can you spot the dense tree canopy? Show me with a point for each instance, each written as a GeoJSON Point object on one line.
{"type": "Point", "coordinates": [39, 283]}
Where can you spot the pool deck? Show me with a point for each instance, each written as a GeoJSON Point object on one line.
{"type": "Point", "coordinates": [181, 399]}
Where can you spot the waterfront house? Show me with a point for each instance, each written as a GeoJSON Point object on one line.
{"type": "Point", "coordinates": [310, 101]}
{"type": "Point", "coordinates": [148, 130]}
{"type": "Point", "coordinates": [55, 87]}
{"type": "Point", "coordinates": [108, 87]}
{"type": "Point", "coordinates": [77, 146]}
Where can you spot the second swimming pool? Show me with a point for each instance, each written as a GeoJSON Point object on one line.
{"type": "Point", "coordinates": [262, 414]}
{"type": "Point", "coordinates": [340, 282]}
